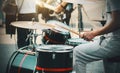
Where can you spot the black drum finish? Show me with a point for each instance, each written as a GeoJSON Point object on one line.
{"type": "Point", "coordinates": [54, 59]}
{"type": "Point", "coordinates": [22, 63]}
{"type": "Point", "coordinates": [55, 37]}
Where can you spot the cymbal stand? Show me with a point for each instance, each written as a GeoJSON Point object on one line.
{"type": "Point", "coordinates": [32, 36]}
{"type": "Point", "coordinates": [80, 21]}
{"type": "Point", "coordinates": [29, 37]}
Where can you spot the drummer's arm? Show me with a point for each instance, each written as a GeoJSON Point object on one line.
{"type": "Point", "coordinates": [60, 7]}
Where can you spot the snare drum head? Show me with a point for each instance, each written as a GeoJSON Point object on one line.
{"type": "Point", "coordinates": [58, 24]}
{"type": "Point", "coordinates": [54, 48]}
{"type": "Point", "coordinates": [76, 41]}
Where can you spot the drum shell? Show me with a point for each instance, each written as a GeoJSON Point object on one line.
{"type": "Point", "coordinates": [27, 66]}
{"type": "Point", "coordinates": [55, 37]}
{"type": "Point", "coordinates": [55, 60]}
{"type": "Point", "coordinates": [61, 60]}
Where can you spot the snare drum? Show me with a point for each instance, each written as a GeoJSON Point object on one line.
{"type": "Point", "coordinates": [75, 41]}
{"type": "Point", "coordinates": [56, 35]}
{"type": "Point", "coordinates": [54, 59]}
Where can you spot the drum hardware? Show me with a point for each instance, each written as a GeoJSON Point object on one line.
{"type": "Point", "coordinates": [32, 36]}
{"type": "Point", "coordinates": [32, 26]}
{"type": "Point", "coordinates": [53, 56]}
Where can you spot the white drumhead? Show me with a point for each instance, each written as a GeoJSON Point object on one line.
{"type": "Point", "coordinates": [77, 40]}
{"type": "Point", "coordinates": [54, 48]}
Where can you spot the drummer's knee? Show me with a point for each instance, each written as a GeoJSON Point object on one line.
{"type": "Point", "coordinates": [75, 51]}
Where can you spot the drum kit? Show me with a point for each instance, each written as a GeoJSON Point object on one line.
{"type": "Point", "coordinates": [53, 56]}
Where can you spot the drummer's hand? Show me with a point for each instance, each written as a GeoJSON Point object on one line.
{"type": "Point", "coordinates": [87, 35]}
{"type": "Point", "coordinates": [59, 9]}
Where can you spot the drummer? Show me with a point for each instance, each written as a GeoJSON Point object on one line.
{"type": "Point", "coordinates": [27, 12]}
{"type": "Point", "coordinates": [60, 6]}
{"type": "Point", "coordinates": [107, 47]}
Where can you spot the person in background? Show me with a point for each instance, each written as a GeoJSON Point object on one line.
{"type": "Point", "coordinates": [107, 46]}
{"type": "Point", "coordinates": [27, 11]}
{"type": "Point", "coordinates": [59, 6]}
{"type": "Point", "coordinates": [9, 17]}
{"type": "Point", "coordinates": [68, 8]}
{"type": "Point", "coordinates": [1, 14]}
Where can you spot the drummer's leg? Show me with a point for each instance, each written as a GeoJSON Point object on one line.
{"type": "Point", "coordinates": [86, 53]}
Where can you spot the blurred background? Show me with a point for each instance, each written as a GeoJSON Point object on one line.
{"type": "Point", "coordinates": [91, 13]}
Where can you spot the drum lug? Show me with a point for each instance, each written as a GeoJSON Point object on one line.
{"type": "Point", "coordinates": [65, 37]}
{"type": "Point", "coordinates": [71, 55]}
{"type": "Point", "coordinates": [43, 71]}
{"type": "Point", "coordinates": [53, 56]}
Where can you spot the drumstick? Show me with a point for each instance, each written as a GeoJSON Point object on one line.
{"type": "Point", "coordinates": [71, 30]}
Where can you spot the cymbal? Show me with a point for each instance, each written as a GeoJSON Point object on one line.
{"type": "Point", "coordinates": [61, 26]}
{"type": "Point", "coordinates": [79, 1]}
{"type": "Point", "coordinates": [31, 25]}
{"type": "Point", "coordinates": [58, 25]}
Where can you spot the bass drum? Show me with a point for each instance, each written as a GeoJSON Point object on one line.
{"type": "Point", "coordinates": [75, 41]}
{"type": "Point", "coordinates": [57, 35]}
{"type": "Point", "coordinates": [22, 63]}
{"type": "Point", "coordinates": [54, 59]}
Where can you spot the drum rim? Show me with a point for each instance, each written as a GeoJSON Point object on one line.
{"type": "Point", "coordinates": [44, 48]}
{"type": "Point", "coordinates": [72, 40]}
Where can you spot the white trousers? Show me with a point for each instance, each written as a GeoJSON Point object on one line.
{"type": "Point", "coordinates": [93, 51]}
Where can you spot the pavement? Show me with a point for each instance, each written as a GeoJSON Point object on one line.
{"type": "Point", "coordinates": [7, 47]}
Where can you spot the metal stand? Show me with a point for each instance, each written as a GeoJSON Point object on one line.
{"type": "Point", "coordinates": [31, 36]}
{"type": "Point", "coordinates": [80, 22]}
